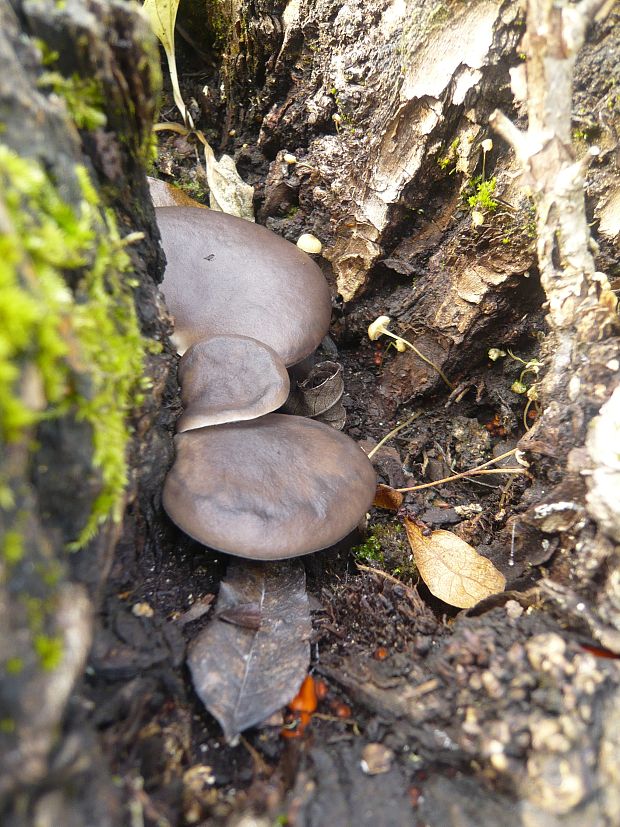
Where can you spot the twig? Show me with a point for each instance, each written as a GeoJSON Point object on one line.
{"type": "Point", "coordinates": [392, 433]}
{"type": "Point", "coordinates": [171, 126]}
{"type": "Point", "coordinates": [471, 473]}
{"type": "Point", "coordinates": [386, 576]}
{"type": "Point", "coordinates": [464, 475]}
{"type": "Point", "coordinates": [261, 767]}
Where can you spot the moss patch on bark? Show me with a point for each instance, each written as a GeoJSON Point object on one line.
{"type": "Point", "coordinates": [69, 336]}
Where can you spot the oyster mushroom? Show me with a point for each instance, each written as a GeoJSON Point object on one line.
{"type": "Point", "coordinates": [226, 275]}
{"type": "Point", "coordinates": [229, 379]}
{"type": "Point", "coordinates": [269, 488]}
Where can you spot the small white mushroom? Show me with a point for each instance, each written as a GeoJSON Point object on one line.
{"type": "Point", "coordinates": [309, 244]}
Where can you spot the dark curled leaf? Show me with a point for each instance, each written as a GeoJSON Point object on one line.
{"type": "Point", "coordinates": [335, 416]}
{"type": "Point", "coordinates": [245, 671]}
{"type": "Point", "coordinates": [320, 391]}
{"type": "Point", "coordinates": [247, 615]}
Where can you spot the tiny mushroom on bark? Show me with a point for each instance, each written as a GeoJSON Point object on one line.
{"type": "Point", "coordinates": [229, 379]}
{"type": "Point", "coordinates": [309, 244]}
{"type": "Point", "coordinates": [270, 488]}
{"type": "Point", "coordinates": [226, 275]}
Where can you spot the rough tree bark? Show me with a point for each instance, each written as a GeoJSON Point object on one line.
{"type": "Point", "coordinates": [584, 347]}
{"type": "Point", "coordinates": [78, 88]}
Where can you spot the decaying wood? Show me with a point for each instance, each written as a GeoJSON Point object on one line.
{"type": "Point", "coordinates": [583, 364]}
{"type": "Point", "coordinates": [386, 122]}
{"type": "Point", "coordinates": [369, 111]}
{"type": "Point", "coordinates": [515, 697]}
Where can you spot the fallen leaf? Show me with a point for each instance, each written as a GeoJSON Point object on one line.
{"type": "Point", "coordinates": [243, 674]}
{"type": "Point", "coordinates": [319, 395]}
{"type": "Point", "coordinates": [451, 568]}
{"type": "Point", "coordinates": [162, 15]}
{"type": "Point", "coordinates": [388, 498]}
{"type": "Point", "coordinates": [248, 615]}
{"type": "Point", "coordinates": [335, 417]}
{"type": "Point", "coordinates": [228, 192]}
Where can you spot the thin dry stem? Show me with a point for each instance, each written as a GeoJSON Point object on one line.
{"type": "Point", "coordinates": [471, 473]}
{"type": "Point", "coordinates": [393, 433]}
{"type": "Point", "coordinates": [386, 576]}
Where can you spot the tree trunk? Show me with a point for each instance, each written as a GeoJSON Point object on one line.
{"type": "Point", "coordinates": [80, 438]}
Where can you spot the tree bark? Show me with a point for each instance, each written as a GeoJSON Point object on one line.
{"type": "Point", "coordinates": [92, 117]}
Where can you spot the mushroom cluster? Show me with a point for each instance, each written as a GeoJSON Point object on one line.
{"type": "Point", "coordinates": [245, 480]}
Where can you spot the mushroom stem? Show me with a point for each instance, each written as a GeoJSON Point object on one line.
{"type": "Point", "coordinates": [378, 329]}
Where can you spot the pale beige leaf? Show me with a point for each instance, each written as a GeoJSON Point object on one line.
{"type": "Point", "coordinates": [453, 570]}
{"type": "Point", "coordinates": [162, 15]}
{"type": "Point", "coordinates": [228, 192]}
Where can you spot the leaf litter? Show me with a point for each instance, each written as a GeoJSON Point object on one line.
{"type": "Point", "coordinates": [452, 569]}
{"type": "Point", "coordinates": [252, 657]}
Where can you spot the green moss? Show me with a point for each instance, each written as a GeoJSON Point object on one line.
{"type": "Point", "coordinates": [13, 550]}
{"type": "Point", "coordinates": [195, 190]}
{"type": "Point", "coordinates": [369, 551]}
{"type": "Point", "coordinates": [14, 666]}
{"type": "Point", "coordinates": [49, 651]}
{"type": "Point", "coordinates": [83, 97]}
{"type": "Point", "coordinates": [84, 346]}
{"type": "Point", "coordinates": [387, 548]}
{"type": "Point", "coordinates": [37, 611]}
{"type": "Point", "coordinates": [50, 572]}
{"type": "Point", "coordinates": [479, 194]}
{"type": "Point", "coordinates": [7, 726]}
{"type": "Point", "coordinates": [450, 157]}
{"type": "Point", "coordinates": [439, 15]}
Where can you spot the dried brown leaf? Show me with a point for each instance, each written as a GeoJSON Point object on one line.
{"type": "Point", "coordinates": [451, 568]}
{"type": "Point", "coordinates": [388, 498]}
{"type": "Point", "coordinates": [319, 395]}
{"type": "Point", "coordinates": [254, 654]}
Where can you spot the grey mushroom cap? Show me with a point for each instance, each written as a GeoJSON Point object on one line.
{"type": "Point", "coordinates": [227, 275]}
{"type": "Point", "coordinates": [230, 379]}
{"type": "Point", "coordinates": [269, 488]}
